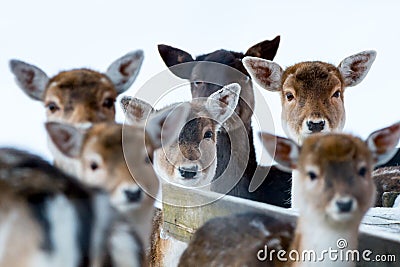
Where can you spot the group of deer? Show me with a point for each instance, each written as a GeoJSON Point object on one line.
{"type": "Point", "coordinates": [96, 205]}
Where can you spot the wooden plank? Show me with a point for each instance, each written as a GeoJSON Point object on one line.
{"type": "Point", "coordinates": [185, 210]}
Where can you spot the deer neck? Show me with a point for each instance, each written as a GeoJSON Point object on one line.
{"type": "Point", "coordinates": [314, 233]}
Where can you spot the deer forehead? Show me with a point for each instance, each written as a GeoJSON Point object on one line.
{"type": "Point", "coordinates": [80, 85]}
{"type": "Point", "coordinates": [312, 79]}
{"type": "Point", "coordinates": [194, 130]}
{"type": "Point", "coordinates": [332, 149]}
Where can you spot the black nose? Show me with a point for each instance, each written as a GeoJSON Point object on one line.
{"type": "Point", "coordinates": [188, 172]}
{"type": "Point", "coordinates": [133, 196]}
{"type": "Point", "coordinates": [315, 127]}
{"type": "Point", "coordinates": [344, 206]}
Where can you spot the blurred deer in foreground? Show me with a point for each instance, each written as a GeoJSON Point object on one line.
{"type": "Point", "coordinates": [335, 191]}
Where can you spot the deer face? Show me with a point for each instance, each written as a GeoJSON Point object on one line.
{"type": "Point", "coordinates": [311, 92]}
{"type": "Point", "coordinates": [191, 159]}
{"type": "Point", "coordinates": [335, 181]}
{"type": "Point", "coordinates": [81, 95]}
{"type": "Point", "coordinates": [207, 79]}
{"type": "Point", "coordinates": [116, 158]}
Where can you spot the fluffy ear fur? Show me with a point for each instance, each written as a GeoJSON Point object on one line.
{"type": "Point", "coordinates": [67, 138]}
{"type": "Point", "coordinates": [266, 49]}
{"type": "Point", "coordinates": [163, 127]}
{"type": "Point", "coordinates": [173, 56]}
{"type": "Point", "coordinates": [265, 73]}
{"type": "Point", "coordinates": [32, 80]}
{"type": "Point", "coordinates": [222, 103]}
{"type": "Point", "coordinates": [382, 143]}
{"type": "Point", "coordinates": [355, 68]}
{"type": "Point", "coordinates": [283, 150]}
{"type": "Point", "coordinates": [123, 71]}
{"type": "Point", "coordinates": [136, 110]}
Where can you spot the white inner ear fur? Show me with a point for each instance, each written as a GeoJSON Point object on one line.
{"type": "Point", "coordinates": [363, 61]}
{"type": "Point", "coordinates": [258, 68]}
{"type": "Point", "coordinates": [222, 103]}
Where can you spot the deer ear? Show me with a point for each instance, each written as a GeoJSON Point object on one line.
{"type": "Point", "coordinates": [67, 138]}
{"type": "Point", "coordinates": [283, 150]}
{"type": "Point", "coordinates": [173, 56]}
{"type": "Point", "coordinates": [163, 127]}
{"type": "Point", "coordinates": [123, 71]}
{"type": "Point", "coordinates": [266, 49]}
{"type": "Point", "coordinates": [382, 143]}
{"type": "Point", "coordinates": [355, 68]}
{"type": "Point", "coordinates": [136, 110]}
{"type": "Point", "coordinates": [222, 103]}
{"type": "Point", "coordinates": [30, 79]}
{"type": "Point", "coordinates": [265, 73]}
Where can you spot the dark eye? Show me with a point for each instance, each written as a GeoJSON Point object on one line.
{"type": "Point", "coordinates": [336, 94]}
{"type": "Point", "coordinates": [362, 172]}
{"type": "Point", "coordinates": [52, 107]}
{"type": "Point", "coordinates": [312, 175]}
{"type": "Point", "coordinates": [208, 134]}
{"type": "Point", "coordinates": [289, 96]}
{"type": "Point", "coordinates": [108, 102]}
{"type": "Point", "coordinates": [94, 166]}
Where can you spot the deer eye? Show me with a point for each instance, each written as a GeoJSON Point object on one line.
{"type": "Point", "coordinates": [108, 102]}
{"type": "Point", "coordinates": [289, 96]}
{"type": "Point", "coordinates": [362, 171]}
{"type": "Point", "coordinates": [336, 94]}
{"type": "Point", "coordinates": [94, 166]}
{"type": "Point", "coordinates": [52, 107]}
{"type": "Point", "coordinates": [208, 134]}
{"type": "Point", "coordinates": [312, 175]}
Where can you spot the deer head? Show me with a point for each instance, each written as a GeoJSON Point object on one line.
{"type": "Point", "coordinates": [191, 159]}
{"type": "Point", "coordinates": [200, 75]}
{"type": "Point", "coordinates": [311, 92]}
{"type": "Point", "coordinates": [335, 182]}
{"type": "Point", "coordinates": [80, 95]}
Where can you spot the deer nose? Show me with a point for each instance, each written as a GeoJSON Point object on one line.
{"type": "Point", "coordinates": [188, 172]}
{"type": "Point", "coordinates": [315, 127]}
{"type": "Point", "coordinates": [344, 205]}
{"type": "Point", "coordinates": [133, 195]}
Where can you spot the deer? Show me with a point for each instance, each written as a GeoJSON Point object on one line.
{"type": "Point", "coordinates": [205, 80]}
{"type": "Point", "coordinates": [335, 169]}
{"type": "Point", "coordinates": [190, 160]}
{"type": "Point", "coordinates": [118, 159]}
{"type": "Point", "coordinates": [312, 93]}
{"type": "Point", "coordinates": [78, 96]}
{"type": "Point", "coordinates": [52, 219]}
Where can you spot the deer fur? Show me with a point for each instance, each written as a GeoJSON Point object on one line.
{"type": "Point", "coordinates": [79, 96]}
{"type": "Point", "coordinates": [276, 186]}
{"type": "Point", "coordinates": [118, 159]}
{"type": "Point", "coordinates": [336, 189]}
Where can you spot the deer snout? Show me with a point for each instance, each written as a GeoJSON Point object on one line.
{"type": "Point", "coordinates": [134, 195]}
{"type": "Point", "coordinates": [188, 172]}
{"type": "Point", "coordinates": [316, 125]}
{"type": "Point", "coordinates": [344, 204]}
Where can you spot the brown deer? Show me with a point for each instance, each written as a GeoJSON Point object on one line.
{"type": "Point", "coordinates": [48, 218]}
{"type": "Point", "coordinates": [118, 159]}
{"type": "Point", "coordinates": [311, 93]}
{"type": "Point", "coordinates": [205, 80]}
{"type": "Point", "coordinates": [334, 169]}
{"type": "Point", "coordinates": [78, 96]}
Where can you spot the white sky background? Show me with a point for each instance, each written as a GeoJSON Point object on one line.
{"type": "Point", "coordinates": [61, 35]}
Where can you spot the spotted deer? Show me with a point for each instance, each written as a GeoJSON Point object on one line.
{"type": "Point", "coordinates": [207, 79]}
{"type": "Point", "coordinates": [48, 218]}
{"type": "Point", "coordinates": [312, 93]}
{"type": "Point", "coordinates": [78, 96]}
{"type": "Point", "coordinates": [188, 161]}
{"type": "Point", "coordinates": [336, 170]}
{"type": "Point", "coordinates": [118, 159]}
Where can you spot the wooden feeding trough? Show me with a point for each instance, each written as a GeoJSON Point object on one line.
{"type": "Point", "coordinates": [185, 210]}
